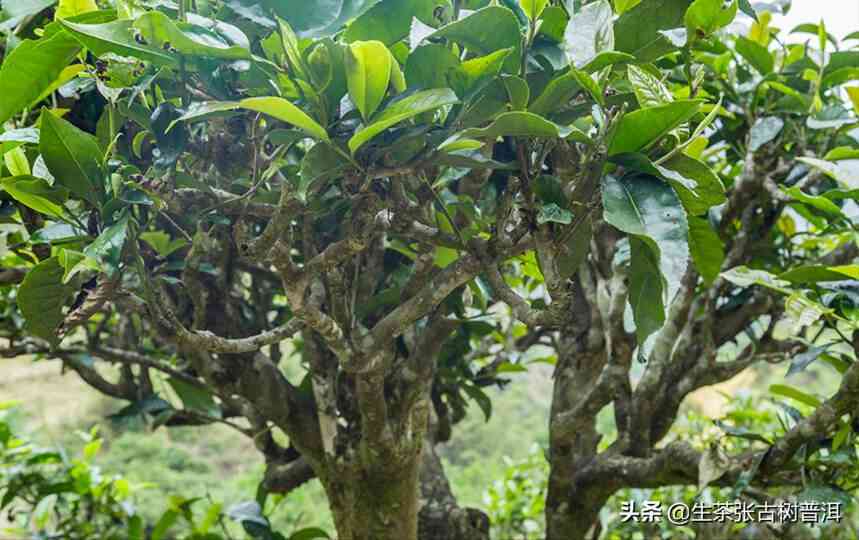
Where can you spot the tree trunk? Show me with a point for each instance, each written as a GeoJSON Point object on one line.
{"type": "Point", "coordinates": [378, 504]}
{"type": "Point", "coordinates": [571, 513]}
{"type": "Point", "coordinates": [441, 518]}
{"type": "Point", "coordinates": [572, 507]}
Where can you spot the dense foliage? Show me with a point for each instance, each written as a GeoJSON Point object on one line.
{"type": "Point", "coordinates": [407, 196]}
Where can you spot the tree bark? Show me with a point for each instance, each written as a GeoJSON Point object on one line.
{"type": "Point", "coordinates": [441, 518]}
{"type": "Point", "coordinates": [379, 503]}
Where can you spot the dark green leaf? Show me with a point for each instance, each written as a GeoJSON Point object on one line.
{"type": "Point", "coordinates": [36, 193]}
{"type": "Point", "coordinates": [519, 124]}
{"type": "Point", "coordinates": [73, 157]}
{"type": "Point", "coordinates": [31, 68]}
{"type": "Point", "coordinates": [158, 30]}
{"type": "Point", "coordinates": [639, 129]}
{"type": "Point", "coordinates": [321, 162]}
{"type": "Point", "coordinates": [696, 184]}
{"type": "Point", "coordinates": [650, 211]}
{"type": "Point", "coordinates": [646, 289]}
{"type": "Point", "coordinates": [403, 109]}
{"type": "Point", "coordinates": [428, 65]}
{"type": "Point", "coordinates": [816, 274]}
{"type": "Point", "coordinates": [479, 396]}
{"type": "Point", "coordinates": [389, 21]}
{"type": "Point", "coordinates": [707, 249]}
{"type": "Point", "coordinates": [107, 248]}
{"type": "Point", "coordinates": [195, 398]}
{"type": "Point", "coordinates": [275, 107]}
{"type": "Point", "coordinates": [117, 37]}
{"type": "Point", "coordinates": [756, 54]}
{"type": "Point", "coordinates": [637, 30]}
{"type": "Point", "coordinates": [484, 31]}
{"type": "Point", "coordinates": [41, 298]}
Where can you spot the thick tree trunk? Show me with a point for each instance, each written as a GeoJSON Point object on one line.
{"type": "Point", "coordinates": [572, 505]}
{"type": "Point", "coordinates": [378, 504]}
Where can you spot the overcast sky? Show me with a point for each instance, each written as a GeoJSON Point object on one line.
{"type": "Point", "coordinates": [841, 16]}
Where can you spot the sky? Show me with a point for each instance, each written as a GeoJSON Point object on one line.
{"type": "Point", "coordinates": [840, 16]}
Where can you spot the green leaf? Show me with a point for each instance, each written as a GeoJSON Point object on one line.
{"type": "Point", "coordinates": [158, 30]}
{"type": "Point", "coordinates": [637, 31]}
{"type": "Point", "coordinates": [403, 109]}
{"type": "Point", "coordinates": [16, 161]}
{"type": "Point", "coordinates": [744, 277]}
{"type": "Point", "coordinates": [696, 184]}
{"type": "Point", "coordinates": [706, 248]}
{"type": "Point", "coordinates": [559, 90]}
{"type": "Point", "coordinates": [368, 74]}
{"type": "Point", "coordinates": [649, 210]}
{"type": "Point", "coordinates": [747, 8]}
{"type": "Point", "coordinates": [74, 262]}
{"type": "Point", "coordinates": [23, 8]}
{"type": "Point", "coordinates": [795, 394]}
{"type": "Point", "coordinates": [107, 248]}
{"type": "Point", "coordinates": [519, 92]}
{"type": "Point", "coordinates": [195, 398]}
{"type": "Point", "coordinates": [484, 31]}
{"type": "Point", "coordinates": [589, 33]}
{"type": "Point", "coordinates": [428, 65]}
{"type": "Point", "coordinates": [37, 194]}
{"type": "Point", "coordinates": [479, 396]}
{"type": "Point", "coordinates": [533, 8]}
{"type": "Point", "coordinates": [639, 129]}
{"type": "Point", "coordinates": [622, 6]}
{"type": "Point", "coordinates": [41, 298]}
{"type": "Point", "coordinates": [473, 75]}
{"type": "Point", "coordinates": [389, 21]}
{"type": "Point", "coordinates": [70, 8]}
{"type": "Point", "coordinates": [646, 289]}
{"type": "Point", "coordinates": [275, 107]}
{"type": "Point", "coordinates": [817, 274]}
{"type": "Point", "coordinates": [518, 124]}
{"type": "Point", "coordinates": [162, 243]}
{"type": "Point", "coordinates": [815, 201]}
{"type": "Point", "coordinates": [589, 84]}
{"type": "Point", "coordinates": [31, 68]}
{"type": "Point", "coordinates": [707, 16]}
{"type": "Point", "coordinates": [755, 54]}
{"type": "Point", "coordinates": [73, 157]}
{"type": "Point", "coordinates": [319, 18]}
{"type": "Point", "coordinates": [765, 130]}
{"type": "Point", "coordinates": [649, 91]}
{"type": "Point", "coordinates": [320, 163]}
{"type": "Point", "coordinates": [165, 522]}
{"type": "Point", "coordinates": [606, 59]}
{"type": "Point", "coordinates": [117, 37]}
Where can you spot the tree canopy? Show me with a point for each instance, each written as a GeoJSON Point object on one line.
{"type": "Point", "coordinates": [405, 196]}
